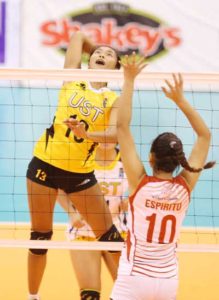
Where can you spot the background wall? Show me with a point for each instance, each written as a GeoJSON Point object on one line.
{"type": "Point", "coordinates": [178, 35]}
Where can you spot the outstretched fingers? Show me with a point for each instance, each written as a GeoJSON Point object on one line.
{"type": "Point", "coordinates": [168, 84]}
{"type": "Point", "coordinates": [174, 88]}
{"type": "Point", "coordinates": [177, 82]}
{"type": "Point", "coordinates": [124, 61]}
{"type": "Point", "coordinates": [175, 79]}
{"type": "Point", "coordinates": [128, 60]}
{"type": "Point", "coordinates": [142, 66]}
{"type": "Point", "coordinates": [180, 79]}
{"type": "Point", "coordinates": [141, 60]}
{"type": "Point", "coordinates": [133, 59]}
{"type": "Point", "coordinates": [165, 91]}
{"type": "Point", "coordinates": [132, 65]}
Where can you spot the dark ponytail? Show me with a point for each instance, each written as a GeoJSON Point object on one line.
{"type": "Point", "coordinates": [169, 155]}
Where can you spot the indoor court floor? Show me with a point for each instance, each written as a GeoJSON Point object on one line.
{"type": "Point", "coordinates": [199, 276]}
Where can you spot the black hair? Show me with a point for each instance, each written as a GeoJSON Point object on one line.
{"type": "Point", "coordinates": [168, 151]}
{"type": "Point", "coordinates": [116, 52]}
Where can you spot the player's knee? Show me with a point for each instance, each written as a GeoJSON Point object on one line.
{"type": "Point", "coordinates": [36, 235]}
{"type": "Point", "coordinates": [90, 295]}
{"type": "Point", "coordinates": [112, 235]}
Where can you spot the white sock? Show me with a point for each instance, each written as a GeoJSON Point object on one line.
{"type": "Point", "coordinates": [33, 297]}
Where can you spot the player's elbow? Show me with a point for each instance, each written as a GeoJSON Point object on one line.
{"type": "Point", "coordinates": [207, 135]}
{"type": "Point", "coordinates": [205, 138]}
{"type": "Point", "coordinates": [122, 126]}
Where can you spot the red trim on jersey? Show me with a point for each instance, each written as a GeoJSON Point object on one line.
{"type": "Point", "coordinates": [129, 244]}
{"type": "Point", "coordinates": [145, 179]}
{"type": "Point", "coordinates": [178, 179]}
{"type": "Point", "coordinates": [181, 180]}
{"type": "Point", "coordinates": [131, 200]}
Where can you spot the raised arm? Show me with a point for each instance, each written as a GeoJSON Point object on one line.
{"type": "Point", "coordinates": [133, 166]}
{"type": "Point", "coordinates": [200, 149]}
{"type": "Point", "coordinates": [78, 44]}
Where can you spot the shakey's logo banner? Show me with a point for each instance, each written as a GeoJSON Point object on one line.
{"type": "Point", "coordinates": [114, 24]}
{"type": "Point", "coordinates": [176, 35]}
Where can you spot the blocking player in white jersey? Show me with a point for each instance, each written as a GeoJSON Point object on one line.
{"type": "Point", "coordinates": [113, 182]}
{"type": "Point", "coordinates": [148, 268]}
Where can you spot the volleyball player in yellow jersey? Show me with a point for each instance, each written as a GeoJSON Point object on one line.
{"type": "Point", "coordinates": [64, 155]}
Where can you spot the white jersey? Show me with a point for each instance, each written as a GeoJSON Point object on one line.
{"type": "Point", "coordinates": [114, 185]}
{"type": "Point", "coordinates": [157, 209]}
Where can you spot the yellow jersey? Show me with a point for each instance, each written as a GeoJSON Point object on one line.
{"type": "Point", "coordinates": [58, 146]}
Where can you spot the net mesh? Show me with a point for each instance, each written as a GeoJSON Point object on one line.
{"type": "Point", "coordinates": [28, 100]}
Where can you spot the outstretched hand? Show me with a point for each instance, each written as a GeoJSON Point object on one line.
{"type": "Point", "coordinates": [175, 89]}
{"type": "Point", "coordinates": [132, 65]}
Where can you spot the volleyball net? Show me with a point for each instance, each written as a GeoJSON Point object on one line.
{"type": "Point", "coordinates": [28, 100]}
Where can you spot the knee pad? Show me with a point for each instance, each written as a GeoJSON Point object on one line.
{"type": "Point", "coordinates": [90, 295]}
{"type": "Point", "coordinates": [36, 235]}
{"type": "Point", "coordinates": [112, 235]}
